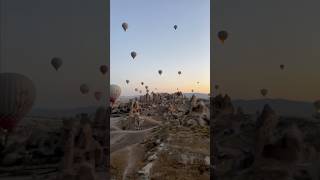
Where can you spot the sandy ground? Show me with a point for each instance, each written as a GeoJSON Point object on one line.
{"type": "Point", "coordinates": [125, 145]}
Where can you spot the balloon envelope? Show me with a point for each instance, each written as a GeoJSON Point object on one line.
{"type": "Point", "coordinates": [142, 83]}
{"type": "Point", "coordinates": [18, 94]}
{"type": "Point", "coordinates": [103, 69]}
{"type": "Point", "coordinates": [84, 89]}
{"type": "Point", "coordinates": [133, 54]}
{"type": "Point", "coordinates": [125, 26]}
{"type": "Point", "coordinates": [56, 63]}
{"type": "Point", "coordinates": [115, 92]}
{"type": "Point", "coordinates": [264, 92]}
{"type": "Point", "coordinates": [222, 35]}
{"type": "Point", "coordinates": [127, 81]}
{"type": "Point", "coordinates": [98, 95]}
{"type": "Point", "coordinates": [179, 72]}
{"type": "Point", "coordinates": [160, 72]}
{"type": "Point", "coordinates": [175, 26]}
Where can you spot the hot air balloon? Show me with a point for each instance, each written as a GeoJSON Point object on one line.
{"type": "Point", "coordinates": [282, 66]}
{"type": "Point", "coordinates": [179, 72]}
{"type": "Point", "coordinates": [103, 69]}
{"type": "Point", "coordinates": [136, 89]}
{"type": "Point", "coordinates": [264, 92]}
{"type": "Point", "coordinates": [115, 92]}
{"type": "Point", "coordinates": [84, 89]}
{"type": "Point", "coordinates": [147, 90]}
{"type": "Point", "coordinates": [125, 26]}
{"type": "Point", "coordinates": [222, 35]}
{"type": "Point", "coordinates": [98, 95]}
{"type": "Point", "coordinates": [127, 81]}
{"type": "Point", "coordinates": [198, 82]}
{"type": "Point", "coordinates": [160, 72]}
{"type": "Point", "coordinates": [146, 87]}
{"type": "Point", "coordinates": [216, 87]}
{"type": "Point", "coordinates": [56, 63]}
{"type": "Point", "coordinates": [142, 83]}
{"type": "Point", "coordinates": [18, 94]}
{"type": "Point", "coordinates": [191, 90]}
{"type": "Point", "coordinates": [133, 54]}
{"type": "Point", "coordinates": [175, 27]}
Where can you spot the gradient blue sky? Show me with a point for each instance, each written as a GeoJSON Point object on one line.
{"type": "Point", "coordinates": [159, 46]}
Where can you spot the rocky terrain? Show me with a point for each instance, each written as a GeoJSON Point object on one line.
{"type": "Point", "coordinates": [162, 136]}
{"type": "Point", "coordinates": [263, 146]}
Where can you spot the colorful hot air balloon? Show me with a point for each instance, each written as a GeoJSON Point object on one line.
{"type": "Point", "coordinates": [282, 66]}
{"type": "Point", "coordinates": [142, 83]}
{"type": "Point", "coordinates": [98, 95]}
{"type": "Point", "coordinates": [127, 81]}
{"type": "Point", "coordinates": [179, 72]}
{"type": "Point", "coordinates": [17, 94]}
{"type": "Point", "coordinates": [115, 92]}
{"type": "Point", "coordinates": [84, 89]}
{"type": "Point", "coordinates": [160, 72]}
{"type": "Point", "coordinates": [133, 54]}
{"type": "Point", "coordinates": [125, 26]}
{"type": "Point", "coordinates": [103, 69]}
{"type": "Point", "coordinates": [264, 92]}
{"type": "Point", "coordinates": [56, 63]}
{"type": "Point", "coordinates": [175, 27]}
{"type": "Point", "coordinates": [222, 35]}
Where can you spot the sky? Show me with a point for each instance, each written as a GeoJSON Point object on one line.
{"type": "Point", "coordinates": [159, 46]}
{"type": "Point", "coordinates": [263, 35]}
{"type": "Point", "coordinates": [74, 30]}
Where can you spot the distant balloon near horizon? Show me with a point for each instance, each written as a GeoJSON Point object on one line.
{"type": "Point", "coordinates": [136, 89]}
{"type": "Point", "coordinates": [146, 87]}
{"type": "Point", "coordinates": [179, 72]}
{"type": "Point", "coordinates": [160, 72]}
{"type": "Point", "coordinates": [103, 69]}
{"type": "Point", "coordinates": [125, 26]}
{"type": "Point", "coordinates": [133, 54]}
{"type": "Point", "coordinates": [142, 83]}
{"type": "Point", "coordinates": [127, 81]}
{"type": "Point", "coordinates": [56, 62]}
{"type": "Point", "coordinates": [84, 89]}
{"type": "Point", "coordinates": [175, 27]}
{"type": "Point", "coordinates": [191, 90]}
{"type": "Point", "coordinates": [115, 92]}
{"type": "Point", "coordinates": [18, 94]}
{"type": "Point", "coordinates": [223, 35]}
{"type": "Point", "coordinates": [264, 92]}
{"type": "Point", "coordinates": [282, 66]}
{"type": "Point", "coordinates": [198, 82]}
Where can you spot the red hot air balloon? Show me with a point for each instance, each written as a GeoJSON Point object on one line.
{"type": "Point", "coordinates": [115, 92]}
{"type": "Point", "coordinates": [18, 94]}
